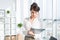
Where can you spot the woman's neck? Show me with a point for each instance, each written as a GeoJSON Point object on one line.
{"type": "Point", "coordinates": [32, 18]}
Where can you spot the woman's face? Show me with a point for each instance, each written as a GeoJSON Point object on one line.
{"type": "Point", "coordinates": [34, 13]}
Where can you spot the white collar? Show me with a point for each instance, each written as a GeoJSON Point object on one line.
{"type": "Point", "coordinates": [36, 19]}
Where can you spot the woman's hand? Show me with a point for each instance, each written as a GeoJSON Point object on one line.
{"type": "Point", "coordinates": [31, 33]}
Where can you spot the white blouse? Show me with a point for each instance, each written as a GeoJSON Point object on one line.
{"type": "Point", "coordinates": [36, 24]}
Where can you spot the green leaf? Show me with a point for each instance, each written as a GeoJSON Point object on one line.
{"type": "Point", "coordinates": [20, 25]}
{"type": "Point", "coordinates": [8, 11]}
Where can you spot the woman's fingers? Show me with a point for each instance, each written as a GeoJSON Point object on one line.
{"type": "Point", "coordinates": [30, 32]}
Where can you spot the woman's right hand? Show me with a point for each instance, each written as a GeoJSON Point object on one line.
{"type": "Point", "coordinates": [31, 33]}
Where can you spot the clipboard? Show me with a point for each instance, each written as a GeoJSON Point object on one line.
{"type": "Point", "coordinates": [37, 31]}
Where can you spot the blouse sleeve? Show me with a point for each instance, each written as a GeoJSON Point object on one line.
{"type": "Point", "coordinates": [26, 24]}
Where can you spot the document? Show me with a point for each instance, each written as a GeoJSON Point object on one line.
{"type": "Point", "coordinates": [37, 31]}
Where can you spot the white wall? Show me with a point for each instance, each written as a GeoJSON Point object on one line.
{"type": "Point", "coordinates": [58, 17]}
{"type": "Point", "coordinates": [7, 5]}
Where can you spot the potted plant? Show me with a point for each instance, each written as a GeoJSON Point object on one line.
{"type": "Point", "coordinates": [20, 25]}
{"type": "Point", "coordinates": [8, 11]}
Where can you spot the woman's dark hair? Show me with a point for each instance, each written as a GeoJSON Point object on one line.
{"type": "Point", "coordinates": [34, 7]}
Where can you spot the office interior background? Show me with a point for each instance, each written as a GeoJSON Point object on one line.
{"type": "Point", "coordinates": [13, 12]}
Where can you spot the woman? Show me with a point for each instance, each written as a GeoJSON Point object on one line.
{"type": "Point", "coordinates": [32, 21]}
